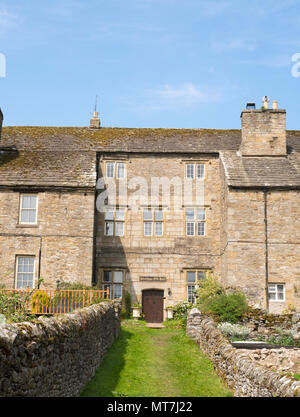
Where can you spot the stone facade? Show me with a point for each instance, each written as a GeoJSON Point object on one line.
{"type": "Point", "coordinates": [58, 356]}
{"type": "Point", "coordinates": [251, 189]}
{"type": "Point", "coordinates": [61, 242]}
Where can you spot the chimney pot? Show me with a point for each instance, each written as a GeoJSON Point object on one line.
{"type": "Point", "coordinates": [275, 105]}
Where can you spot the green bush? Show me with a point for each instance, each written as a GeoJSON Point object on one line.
{"type": "Point", "coordinates": [127, 300]}
{"type": "Point", "coordinates": [209, 289]}
{"type": "Point", "coordinates": [228, 307]}
{"type": "Point", "coordinates": [13, 307]}
{"type": "Point", "coordinates": [40, 301]}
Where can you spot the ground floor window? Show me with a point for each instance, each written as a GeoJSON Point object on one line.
{"type": "Point", "coordinates": [112, 280]}
{"type": "Point", "coordinates": [193, 279]}
{"type": "Point", "coordinates": [276, 292]}
{"type": "Point", "coordinates": [25, 272]}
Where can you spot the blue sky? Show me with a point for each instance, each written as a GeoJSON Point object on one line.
{"type": "Point", "coordinates": [152, 63]}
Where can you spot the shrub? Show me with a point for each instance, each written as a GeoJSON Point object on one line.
{"type": "Point", "coordinates": [209, 288]}
{"type": "Point", "coordinates": [128, 313]}
{"type": "Point", "coordinates": [233, 330]}
{"type": "Point", "coordinates": [40, 301]}
{"type": "Point", "coordinates": [228, 307]}
{"type": "Point", "coordinates": [181, 309]}
{"type": "Point", "coordinates": [13, 308]}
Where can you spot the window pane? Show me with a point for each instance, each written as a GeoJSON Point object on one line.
{"type": "Point", "coordinates": [32, 216]}
{"type": "Point", "coordinates": [25, 201]}
{"type": "Point", "coordinates": [272, 288]}
{"type": "Point", "coordinates": [120, 170]}
{"type": "Point", "coordinates": [119, 229]}
{"type": "Point", "coordinates": [200, 214]}
{"type": "Point", "coordinates": [280, 287]}
{"type": "Point", "coordinates": [120, 214]}
{"type": "Point", "coordinates": [201, 275]}
{"type": "Point", "coordinates": [110, 169]}
{"type": "Point", "coordinates": [109, 215]}
{"type": "Point", "coordinates": [25, 216]}
{"type": "Point", "coordinates": [191, 296]}
{"type": "Point", "coordinates": [147, 214]}
{"type": "Point", "coordinates": [109, 228]}
{"type": "Point", "coordinates": [147, 228]}
{"type": "Point", "coordinates": [201, 229]}
{"type": "Point", "coordinates": [280, 296]}
{"type": "Point", "coordinates": [158, 215]}
{"type": "Point", "coordinates": [200, 170]}
{"type": "Point", "coordinates": [118, 276]}
{"type": "Point", "coordinates": [189, 213]}
{"type": "Point", "coordinates": [190, 171]}
{"type": "Point", "coordinates": [25, 272]}
{"type": "Point", "coordinates": [190, 229]}
{"type": "Point", "coordinates": [117, 291]}
{"type": "Point", "coordinates": [107, 276]}
{"type": "Point", "coordinates": [33, 201]}
{"type": "Point", "coordinates": [158, 229]}
{"type": "Point", "coordinates": [271, 296]}
{"type": "Point", "coordinates": [191, 276]}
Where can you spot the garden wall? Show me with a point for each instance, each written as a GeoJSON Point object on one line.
{"type": "Point", "coordinates": [56, 356]}
{"type": "Point", "coordinates": [241, 374]}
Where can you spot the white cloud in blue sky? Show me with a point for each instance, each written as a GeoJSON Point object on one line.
{"type": "Point", "coordinates": [153, 63]}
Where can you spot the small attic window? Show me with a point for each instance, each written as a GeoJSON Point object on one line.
{"type": "Point", "coordinates": [250, 106]}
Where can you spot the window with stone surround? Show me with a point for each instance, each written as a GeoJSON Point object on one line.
{"type": "Point", "coordinates": [28, 209]}
{"type": "Point", "coordinates": [276, 292]}
{"type": "Point", "coordinates": [195, 221]}
{"type": "Point", "coordinates": [153, 222]}
{"type": "Point", "coordinates": [114, 222]}
{"type": "Point", "coordinates": [193, 279]}
{"type": "Point", "coordinates": [112, 280]}
{"type": "Point", "coordinates": [115, 169]}
{"type": "Point", "coordinates": [25, 272]}
{"type": "Point", "coordinates": [194, 170]}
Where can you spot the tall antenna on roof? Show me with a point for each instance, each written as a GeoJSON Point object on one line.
{"type": "Point", "coordinates": [95, 121]}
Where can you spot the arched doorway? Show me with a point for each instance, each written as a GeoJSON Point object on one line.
{"type": "Point", "coordinates": [153, 305]}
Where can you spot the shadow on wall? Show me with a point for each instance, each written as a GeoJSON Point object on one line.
{"type": "Point", "coordinates": [107, 376]}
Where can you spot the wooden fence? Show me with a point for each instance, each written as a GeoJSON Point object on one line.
{"type": "Point", "coordinates": [52, 301]}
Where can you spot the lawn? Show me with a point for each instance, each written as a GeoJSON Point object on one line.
{"type": "Point", "coordinates": [146, 362]}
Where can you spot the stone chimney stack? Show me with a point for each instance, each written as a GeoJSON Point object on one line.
{"type": "Point", "coordinates": [95, 121]}
{"type": "Point", "coordinates": [263, 131]}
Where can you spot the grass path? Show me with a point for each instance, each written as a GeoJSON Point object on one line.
{"type": "Point", "coordinates": [147, 362]}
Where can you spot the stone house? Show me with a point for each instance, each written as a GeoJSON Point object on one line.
{"type": "Point", "coordinates": [152, 211]}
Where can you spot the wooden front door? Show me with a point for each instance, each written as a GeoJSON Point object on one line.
{"type": "Point", "coordinates": [153, 305]}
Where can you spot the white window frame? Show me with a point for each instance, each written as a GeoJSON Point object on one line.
{"type": "Point", "coordinates": [276, 292]}
{"type": "Point", "coordinates": [192, 170]}
{"type": "Point", "coordinates": [195, 221]}
{"type": "Point", "coordinates": [115, 171]}
{"type": "Point", "coordinates": [21, 209]}
{"type": "Point", "coordinates": [114, 220]}
{"type": "Point", "coordinates": [18, 257]}
{"type": "Point", "coordinates": [153, 221]}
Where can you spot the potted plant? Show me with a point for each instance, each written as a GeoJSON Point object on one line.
{"type": "Point", "coordinates": [169, 312]}
{"type": "Point", "coordinates": [136, 310]}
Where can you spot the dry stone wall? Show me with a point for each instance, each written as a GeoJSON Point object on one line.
{"type": "Point", "coordinates": [243, 376]}
{"type": "Point", "coordinates": [57, 356]}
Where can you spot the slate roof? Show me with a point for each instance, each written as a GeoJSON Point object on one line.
{"type": "Point", "coordinates": [261, 172]}
{"type": "Point", "coordinates": [66, 156]}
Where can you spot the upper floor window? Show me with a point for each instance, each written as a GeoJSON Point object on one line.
{"type": "Point", "coordinates": [114, 222]}
{"type": "Point", "coordinates": [28, 209]}
{"type": "Point", "coordinates": [115, 170]}
{"type": "Point", "coordinates": [25, 272]}
{"type": "Point", "coordinates": [195, 221]}
{"type": "Point", "coordinates": [153, 222]}
{"type": "Point", "coordinates": [195, 170]}
{"type": "Point", "coordinates": [276, 292]}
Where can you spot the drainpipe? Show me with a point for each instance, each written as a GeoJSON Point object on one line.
{"type": "Point", "coordinates": [266, 249]}
{"type": "Point", "coordinates": [94, 273]}
{"type": "Point", "coordinates": [40, 260]}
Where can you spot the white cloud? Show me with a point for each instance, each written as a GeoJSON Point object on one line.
{"type": "Point", "coordinates": [186, 95]}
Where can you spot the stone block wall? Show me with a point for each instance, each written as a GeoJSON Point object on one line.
{"type": "Point", "coordinates": [57, 356]}
{"type": "Point", "coordinates": [242, 375]}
